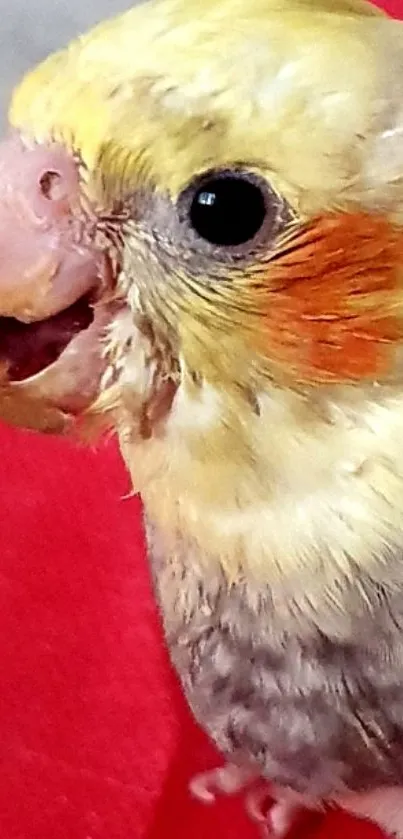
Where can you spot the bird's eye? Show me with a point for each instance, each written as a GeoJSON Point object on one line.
{"type": "Point", "coordinates": [227, 209]}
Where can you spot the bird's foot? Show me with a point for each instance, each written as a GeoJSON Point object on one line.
{"type": "Point", "coordinates": [224, 780]}
{"type": "Point", "coordinates": [274, 810]}
{"type": "Point", "coordinates": [275, 817]}
{"type": "Point", "coordinates": [281, 818]}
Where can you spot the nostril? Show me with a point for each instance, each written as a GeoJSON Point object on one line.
{"type": "Point", "coordinates": [52, 186]}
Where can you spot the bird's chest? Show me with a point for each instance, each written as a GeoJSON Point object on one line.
{"type": "Point", "coordinates": [316, 715]}
{"type": "Point", "coordinates": [271, 589]}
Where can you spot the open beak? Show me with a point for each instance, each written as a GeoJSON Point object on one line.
{"type": "Point", "coordinates": [56, 287]}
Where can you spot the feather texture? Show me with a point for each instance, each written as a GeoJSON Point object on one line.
{"type": "Point", "coordinates": [257, 391]}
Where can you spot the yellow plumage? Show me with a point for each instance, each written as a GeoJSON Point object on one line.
{"type": "Point", "coordinates": [257, 393]}
{"type": "Point", "coordinates": [307, 95]}
{"type": "Point", "coordinates": [303, 92]}
{"type": "Point", "coordinates": [240, 79]}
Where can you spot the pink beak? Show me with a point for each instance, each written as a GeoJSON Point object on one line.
{"type": "Point", "coordinates": [47, 258]}
{"type": "Point", "coordinates": [55, 287]}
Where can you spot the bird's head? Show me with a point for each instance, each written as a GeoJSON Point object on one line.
{"type": "Point", "coordinates": [204, 193]}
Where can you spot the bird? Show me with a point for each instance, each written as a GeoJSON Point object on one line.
{"type": "Point", "coordinates": [201, 210]}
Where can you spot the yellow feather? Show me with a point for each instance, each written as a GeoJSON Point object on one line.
{"type": "Point", "coordinates": [308, 93]}
{"type": "Point", "coordinates": [297, 86]}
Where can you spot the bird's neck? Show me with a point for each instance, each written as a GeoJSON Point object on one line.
{"type": "Point", "coordinates": [307, 501]}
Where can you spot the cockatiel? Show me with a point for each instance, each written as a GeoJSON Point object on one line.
{"type": "Point", "coordinates": [201, 211]}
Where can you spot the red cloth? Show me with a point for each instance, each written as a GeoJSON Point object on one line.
{"type": "Point", "coordinates": [393, 7]}
{"type": "Point", "coordinates": [95, 738]}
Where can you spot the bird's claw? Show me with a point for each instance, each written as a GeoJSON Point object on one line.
{"type": "Point", "coordinates": [225, 780]}
{"type": "Point", "coordinates": [274, 819]}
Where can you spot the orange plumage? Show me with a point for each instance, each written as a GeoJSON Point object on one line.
{"type": "Point", "coordinates": [332, 319]}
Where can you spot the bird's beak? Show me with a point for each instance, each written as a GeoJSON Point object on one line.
{"type": "Point", "coordinates": [55, 287]}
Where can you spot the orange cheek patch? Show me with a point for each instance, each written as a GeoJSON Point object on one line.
{"type": "Point", "coordinates": [333, 299]}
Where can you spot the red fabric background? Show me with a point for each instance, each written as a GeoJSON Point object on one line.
{"type": "Point", "coordinates": [95, 739]}
{"type": "Point", "coordinates": [393, 7]}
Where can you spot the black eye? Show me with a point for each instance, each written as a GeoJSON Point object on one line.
{"type": "Point", "coordinates": [228, 209]}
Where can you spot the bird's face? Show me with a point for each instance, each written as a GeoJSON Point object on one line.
{"type": "Point", "coordinates": [220, 198]}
